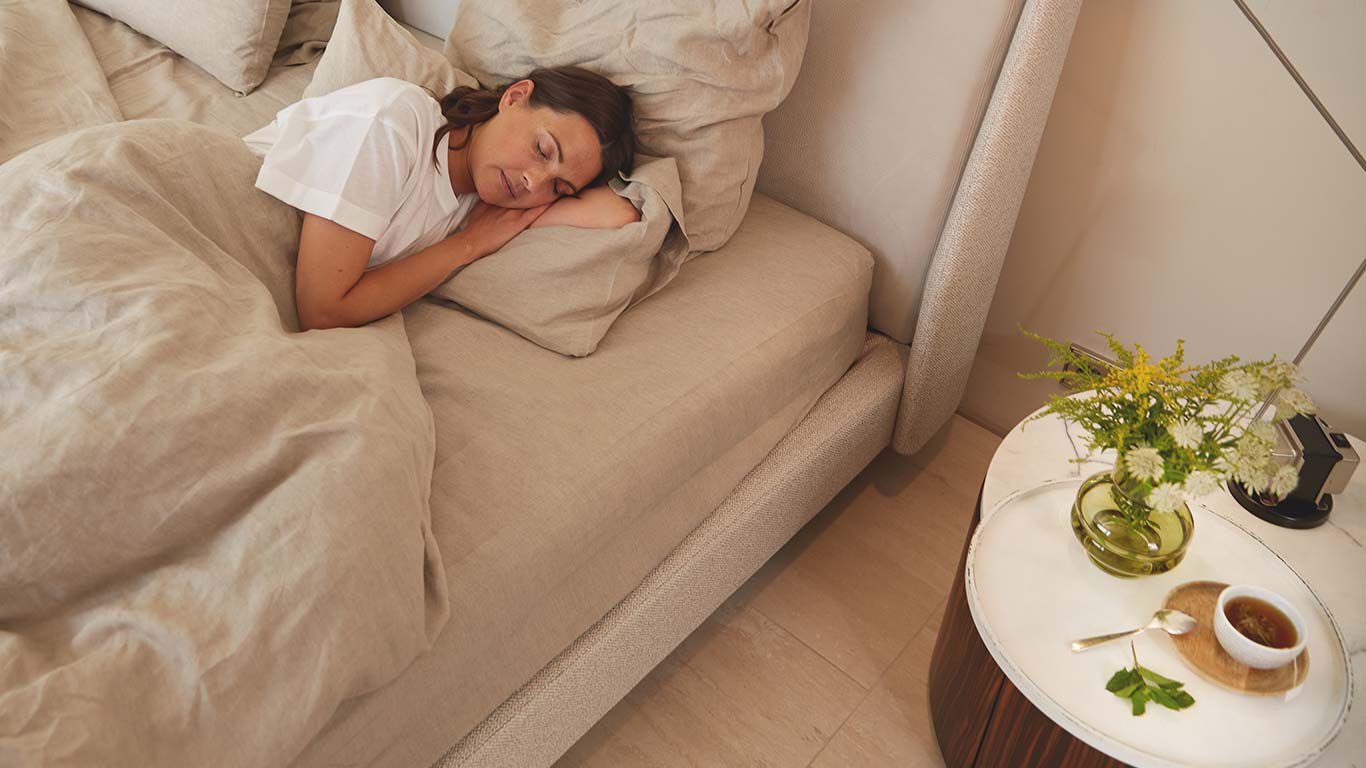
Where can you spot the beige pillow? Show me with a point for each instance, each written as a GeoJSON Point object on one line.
{"type": "Point", "coordinates": [233, 41]}
{"type": "Point", "coordinates": [703, 73]}
{"type": "Point", "coordinates": [307, 31]}
{"type": "Point", "coordinates": [560, 287]}
{"type": "Point", "coordinates": [367, 43]}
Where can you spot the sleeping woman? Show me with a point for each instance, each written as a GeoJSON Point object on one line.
{"type": "Point", "coordinates": [399, 190]}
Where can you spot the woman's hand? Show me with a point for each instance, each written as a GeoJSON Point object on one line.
{"type": "Point", "coordinates": [490, 227]}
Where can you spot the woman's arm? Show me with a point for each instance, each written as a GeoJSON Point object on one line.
{"type": "Point", "coordinates": [594, 208]}
{"type": "Point", "coordinates": [332, 288]}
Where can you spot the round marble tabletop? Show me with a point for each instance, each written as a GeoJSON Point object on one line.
{"type": "Point", "coordinates": [1330, 558]}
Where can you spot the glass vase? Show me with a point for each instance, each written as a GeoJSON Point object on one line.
{"type": "Point", "coordinates": [1124, 536]}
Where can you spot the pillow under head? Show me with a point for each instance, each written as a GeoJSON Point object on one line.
{"type": "Point", "coordinates": [562, 287]}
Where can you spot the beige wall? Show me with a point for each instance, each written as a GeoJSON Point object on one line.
{"type": "Point", "coordinates": [1186, 187]}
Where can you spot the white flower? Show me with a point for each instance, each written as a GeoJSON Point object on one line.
{"type": "Point", "coordinates": [1166, 497]}
{"type": "Point", "coordinates": [1252, 470]}
{"type": "Point", "coordinates": [1282, 374]}
{"type": "Point", "coordinates": [1201, 483]}
{"type": "Point", "coordinates": [1144, 463]}
{"type": "Point", "coordinates": [1239, 385]}
{"type": "Point", "coordinates": [1253, 442]}
{"type": "Point", "coordinates": [1284, 481]}
{"type": "Point", "coordinates": [1222, 466]}
{"type": "Point", "coordinates": [1293, 401]}
{"type": "Point", "coordinates": [1259, 481]}
{"type": "Point", "coordinates": [1242, 461]}
{"type": "Point", "coordinates": [1187, 434]}
{"type": "Point", "coordinates": [1250, 467]}
{"type": "Point", "coordinates": [1264, 431]}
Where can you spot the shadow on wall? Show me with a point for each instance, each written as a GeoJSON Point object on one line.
{"type": "Point", "coordinates": [840, 104]}
{"type": "Point", "coordinates": [874, 135]}
{"type": "Point", "coordinates": [1079, 130]}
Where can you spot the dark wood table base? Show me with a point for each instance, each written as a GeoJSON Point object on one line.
{"type": "Point", "coordinates": [980, 719]}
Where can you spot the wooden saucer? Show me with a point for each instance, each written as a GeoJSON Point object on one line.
{"type": "Point", "coordinates": [1201, 649]}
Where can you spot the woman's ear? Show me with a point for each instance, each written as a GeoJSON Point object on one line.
{"type": "Point", "coordinates": [516, 93]}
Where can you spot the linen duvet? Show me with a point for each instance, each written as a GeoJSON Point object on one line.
{"type": "Point", "coordinates": [213, 529]}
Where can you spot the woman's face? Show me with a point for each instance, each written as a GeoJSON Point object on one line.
{"type": "Point", "coordinates": [527, 156]}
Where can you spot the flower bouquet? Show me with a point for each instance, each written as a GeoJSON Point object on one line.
{"type": "Point", "coordinates": [1179, 432]}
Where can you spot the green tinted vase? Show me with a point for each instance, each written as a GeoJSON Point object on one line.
{"type": "Point", "coordinates": [1124, 536]}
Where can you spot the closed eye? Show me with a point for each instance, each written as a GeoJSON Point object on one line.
{"type": "Point", "coordinates": [567, 189]}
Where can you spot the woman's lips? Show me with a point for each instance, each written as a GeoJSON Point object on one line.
{"type": "Point", "coordinates": [507, 186]}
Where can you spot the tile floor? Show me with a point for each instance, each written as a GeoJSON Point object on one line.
{"type": "Point", "coordinates": [822, 658]}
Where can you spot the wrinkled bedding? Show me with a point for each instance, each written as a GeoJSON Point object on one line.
{"type": "Point", "coordinates": [213, 530]}
{"type": "Point", "coordinates": [50, 80]}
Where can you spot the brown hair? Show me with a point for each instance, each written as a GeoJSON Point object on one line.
{"type": "Point", "coordinates": [605, 105]}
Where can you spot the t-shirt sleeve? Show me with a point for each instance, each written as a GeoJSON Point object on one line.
{"type": "Point", "coordinates": [349, 166]}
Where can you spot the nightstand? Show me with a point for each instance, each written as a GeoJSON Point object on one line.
{"type": "Point", "coordinates": [983, 718]}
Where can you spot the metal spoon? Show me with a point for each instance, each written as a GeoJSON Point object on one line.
{"type": "Point", "coordinates": [1171, 621]}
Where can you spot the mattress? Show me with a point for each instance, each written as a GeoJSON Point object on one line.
{"type": "Point", "coordinates": [560, 482]}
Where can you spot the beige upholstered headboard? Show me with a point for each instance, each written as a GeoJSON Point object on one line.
{"type": "Point", "coordinates": [876, 131]}
{"type": "Point", "coordinates": [912, 128]}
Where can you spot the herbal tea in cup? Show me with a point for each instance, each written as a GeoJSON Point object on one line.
{"type": "Point", "coordinates": [1258, 627]}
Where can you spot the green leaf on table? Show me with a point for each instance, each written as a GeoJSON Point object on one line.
{"type": "Point", "coordinates": [1183, 699]}
{"type": "Point", "coordinates": [1120, 680]}
{"type": "Point", "coordinates": [1165, 682]}
{"type": "Point", "coordinates": [1141, 685]}
{"type": "Point", "coordinates": [1161, 696]}
{"type": "Point", "coordinates": [1127, 690]}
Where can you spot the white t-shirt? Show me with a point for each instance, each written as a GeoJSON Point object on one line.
{"type": "Point", "coordinates": [362, 156]}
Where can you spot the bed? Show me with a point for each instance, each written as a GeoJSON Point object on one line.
{"type": "Point", "coordinates": [589, 512]}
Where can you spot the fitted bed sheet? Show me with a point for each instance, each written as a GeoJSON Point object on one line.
{"type": "Point", "coordinates": [560, 482]}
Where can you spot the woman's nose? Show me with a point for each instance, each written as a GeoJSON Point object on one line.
{"type": "Point", "coordinates": [534, 178]}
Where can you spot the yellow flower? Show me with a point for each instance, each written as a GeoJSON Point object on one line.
{"type": "Point", "coordinates": [1140, 378]}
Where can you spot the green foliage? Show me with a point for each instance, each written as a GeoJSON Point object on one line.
{"type": "Point", "coordinates": [1141, 685]}
{"type": "Point", "coordinates": [1138, 402]}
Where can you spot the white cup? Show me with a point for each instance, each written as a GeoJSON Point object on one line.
{"type": "Point", "coordinates": [1246, 650]}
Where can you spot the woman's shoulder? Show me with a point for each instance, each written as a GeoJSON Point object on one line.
{"type": "Point", "coordinates": [392, 86]}
{"type": "Point", "coordinates": [384, 105]}
{"type": "Point", "coordinates": [385, 97]}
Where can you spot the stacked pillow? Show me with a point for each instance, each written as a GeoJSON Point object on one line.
{"type": "Point", "coordinates": [560, 287]}
{"type": "Point", "coordinates": [233, 41]}
{"type": "Point", "coordinates": [703, 72]}
{"type": "Point", "coordinates": [366, 43]}
{"type": "Point", "coordinates": [236, 41]}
